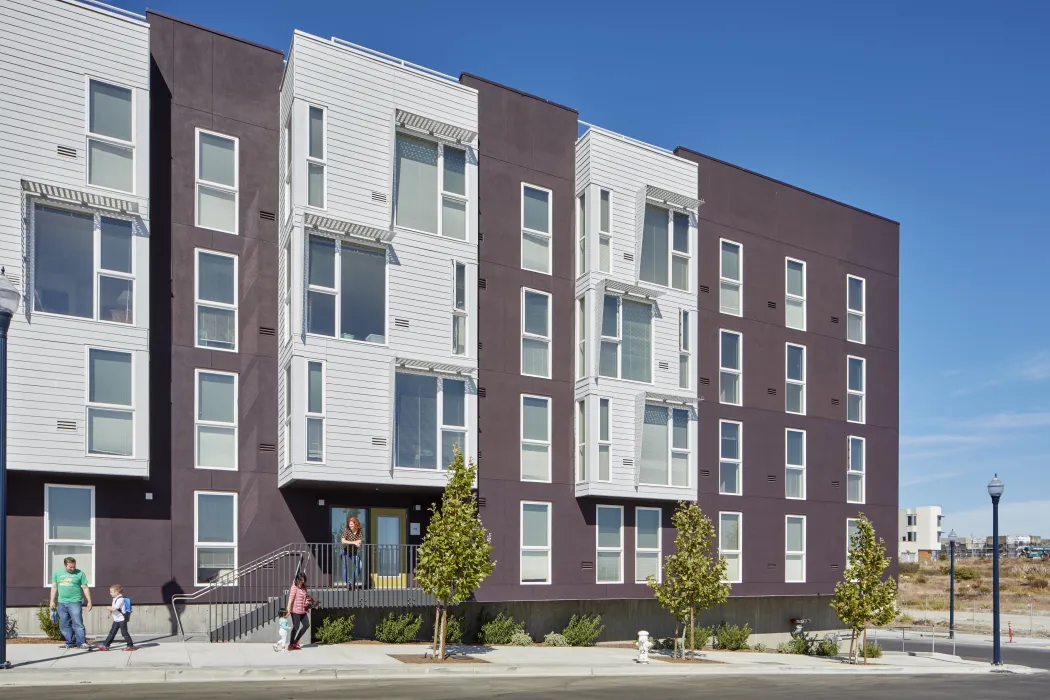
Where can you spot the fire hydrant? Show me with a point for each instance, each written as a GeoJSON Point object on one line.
{"type": "Point", "coordinates": [644, 645]}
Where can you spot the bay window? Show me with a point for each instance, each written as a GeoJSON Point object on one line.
{"type": "Point", "coordinates": [684, 350]}
{"type": "Point", "coordinates": [315, 412]}
{"type": "Point", "coordinates": [605, 232]}
{"type": "Point", "coordinates": [430, 189]}
{"type": "Point", "coordinates": [604, 440]}
{"type": "Point", "coordinates": [665, 446]}
{"type": "Point", "coordinates": [69, 517]}
{"type": "Point", "coordinates": [581, 234]}
{"type": "Point", "coordinates": [111, 136]}
{"type": "Point", "coordinates": [419, 401]}
{"type": "Point", "coordinates": [459, 309]}
{"type": "Point", "coordinates": [216, 313]}
{"type": "Point", "coordinates": [535, 333]}
{"type": "Point", "coordinates": [581, 440]}
{"type": "Point", "coordinates": [730, 457]}
{"type": "Point", "coordinates": [216, 420]}
{"type": "Point", "coordinates": [535, 438]}
{"type": "Point", "coordinates": [214, 536]}
{"type": "Point", "coordinates": [581, 338]}
{"type": "Point", "coordinates": [648, 553]}
{"type": "Point", "coordinates": [536, 228]}
{"type": "Point", "coordinates": [666, 248]}
{"type": "Point", "coordinates": [346, 300]}
{"type": "Point", "coordinates": [731, 278]}
{"type": "Point", "coordinates": [316, 158]}
{"type": "Point", "coordinates": [535, 542]}
{"type": "Point", "coordinates": [609, 526]}
{"type": "Point", "coordinates": [730, 544]}
{"type": "Point", "coordinates": [217, 181]}
{"type": "Point", "coordinates": [110, 404]}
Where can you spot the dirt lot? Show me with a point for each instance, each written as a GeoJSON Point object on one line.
{"type": "Point", "coordinates": [1021, 583]}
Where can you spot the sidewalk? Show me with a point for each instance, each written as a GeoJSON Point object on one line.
{"type": "Point", "coordinates": [159, 661]}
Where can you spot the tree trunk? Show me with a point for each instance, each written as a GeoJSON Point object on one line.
{"type": "Point", "coordinates": [852, 643]}
{"type": "Point", "coordinates": [674, 648]}
{"type": "Point", "coordinates": [437, 630]}
{"type": "Point", "coordinates": [865, 642]}
{"type": "Point", "coordinates": [444, 617]}
{"type": "Point", "coordinates": [692, 631]}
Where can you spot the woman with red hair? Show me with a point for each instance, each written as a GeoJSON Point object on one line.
{"type": "Point", "coordinates": [351, 541]}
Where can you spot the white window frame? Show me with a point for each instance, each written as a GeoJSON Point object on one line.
{"type": "Point", "coordinates": [616, 340]}
{"type": "Point", "coordinates": [788, 467]}
{"type": "Point", "coordinates": [197, 545]}
{"type": "Point", "coordinates": [439, 418]}
{"type": "Point", "coordinates": [581, 440]}
{"type": "Point", "coordinates": [288, 413]}
{"type": "Point", "coordinates": [581, 234]}
{"type": "Point", "coordinates": [543, 443]}
{"type": "Point", "coordinates": [671, 252]}
{"type": "Point", "coordinates": [197, 302]}
{"type": "Point", "coordinates": [788, 295]}
{"type": "Point", "coordinates": [321, 162]}
{"type": "Point", "coordinates": [862, 313]}
{"type": "Point", "coordinates": [90, 136]}
{"type": "Point", "coordinates": [289, 205]}
{"type": "Point", "coordinates": [739, 460]}
{"type": "Point", "coordinates": [88, 404]}
{"type": "Point", "coordinates": [605, 237]}
{"type": "Point", "coordinates": [463, 313]}
{"type": "Point", "coordinates": [724, 281]}
{"type": "Point", "coordinates": [789, 552]}
{"type": "Point", "coordinates": [288, 286]}
{"type": "Point", "coordinates": [549, 235]}
{"type": "Point", "coordinates": [606, 443]}
{"type": "Point", "coordinates": [198, 182]}
{"type": "Point", "coordinates": [75, 543]}
{"type": "Point", "coordinates": [441, 193]}
{"type": "Point", "coordinates": [317, 416]}
{"type": "Point", "coordinates": [788, 381]}
{"type": "Point", "coordinates": [863, 471]}
{"type": "Point", "coordinates": [198, 423]}
{"type": "Point", "coordinates": [337, 292]}
{"type": "Point", "coordinates": [638, 549]}
{"type": "Point", "coordinates": [532, 336]}
{"type": "Point", "coordinates": [534, 548]}
{"type": "Point", "coordinates": [598, 548]}
{"type": "Point", "coordinates": [672, 450]}
{"type": "Point", "coordinates": [685, 353]}
{"type": "Point", "coordinates": [581, 337]}
{"type": "Point", "coordinates": [739, 372]}
{"type": "Point", "coordinates": [863, 393]}
{"type": "Point", "coordinates": [739, 552]}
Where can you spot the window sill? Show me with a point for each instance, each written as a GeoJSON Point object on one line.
{"type": "Point", "coordinates": [663, 486]}
{"type": "Point", "coordinates": [406, 229]}
{"type": "Point", "coordinates": [109, 189]}
{"type": "Point", "coordinates": [348, 340]}
{"type": "Point", "coordinates": [96, 455]}
{"type": "Point", "coordinates": [208, 347]}
{"type": "Point", "coordinates": [215, 469]}
{"type": "Point", "coordinates": [217, 230]}
{"type": "Point", "coordinates": [727, 493]}
{"type": "Point", "coordinates": [89, 319]}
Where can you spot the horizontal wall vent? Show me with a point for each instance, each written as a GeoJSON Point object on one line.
{"type": "Point", "coordinates": [482, 284]}
{"type": "Point", "coordinates": [481, 501]}
{"type": "Point", "coordinates": [401, 323]}
{"type": "Point", "coordinates": [705, 472]}
{"type": "Point", "coordinates": [771, 304]}
{"type": "Point", "coordinates": [771, 566]}
{"type": "Point", "coordinates": [771, 478]}
{"type": "Point", "coordinates": [66, 425]}
{"type": "Point", "coordinates": [379, 196]}
{"type": "Point", "coordinates": [481, 392]}
{"type": "Point", "coordinates": [378, 442]}
{"type": "Point", "coordinates": [835, 484]}
{"type": "Point", "coordinates": [481, 236]}
{"type": "Point", "coordinates": [629, 257]}
{"type": "Point", "coordinates": [67, 152]}
{"type": "Point", "coordinates": [834, 567]}
{"type": "Point", "coordinates": [481, 345]}
{"type": "Point", "coordinates": [834, 319]}
{"type": "Point", "coordinates": [267, 447]}
{"type": "Point", "coordinates": [834, 402]}
{"type": "Point", "coordinates": [664, 365]}
{"type": "Point", "coordinates": [705, 289]}
{"type": "Point", "coordinates": [705, 381]}
{"type": "Point", "coordinates": [587, 566]}
{"type": "Point", "coordinates": [267, 330]}
{"type": "Point", "coordinates": [628, 462]}
{"type": "Point", "coordinates": [267, 215]}
{"type": "Point", "coordinates": [771, 392]}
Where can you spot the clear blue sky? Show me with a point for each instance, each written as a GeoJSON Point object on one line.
{"type": "Point", "coordinates": [935, 114]}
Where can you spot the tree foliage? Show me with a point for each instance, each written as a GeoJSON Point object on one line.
{"type": "Point", "coordinates": [864, 596]}
{"type": "Point", "coordinates": [693, 577]}
{"type": "Point", "coordinates": [456, 554]}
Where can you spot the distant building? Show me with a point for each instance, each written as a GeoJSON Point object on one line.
{"type": "Point", "coordinates": [920, 533]}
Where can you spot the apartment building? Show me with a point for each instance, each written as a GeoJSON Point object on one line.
{"type": "Point", "coordinates": [352, 266]}
{"type": "Point", "coordinates": [920, 533]}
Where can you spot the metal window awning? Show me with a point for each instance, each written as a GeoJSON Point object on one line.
{"type": "Point", "coordinates": [631, 290]}
{"type": "Point", "coordinates": [676, 399]}
{"type": "Point", "coordinates": [74, 196]}
{"type": "Point", "coordinates": [433, 127]}
{"type": "Point", "coordinates": [417, 365]}
{"type": "Point", "coordinates": [672, 199]}
{"type": "Point", "coordinates": [349, 229]}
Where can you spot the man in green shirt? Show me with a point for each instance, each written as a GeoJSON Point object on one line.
{"type": "Point", "coordinates": [70, 587]}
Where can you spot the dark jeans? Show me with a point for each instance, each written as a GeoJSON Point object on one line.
{"type": "Point", "coordinates": [351, 565]}
{"type": "Point", "coordinates": [300, 624]}
{"type": "Point", "coordinates": [71, 622]}
{"type": "Point", "coordinates": [123, 627]}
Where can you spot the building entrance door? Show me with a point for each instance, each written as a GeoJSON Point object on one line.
{"type": "Point", "coordinates": [347, 561]}
{"type": "Point", "coordinates": [390, 565]}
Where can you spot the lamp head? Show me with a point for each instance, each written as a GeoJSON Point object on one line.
{"type": "Point", "coordinates": [9, 295]}
{"type": "Point", "coordinates": [952, 537]}
{"type": "Point", "coordinates": [995, 487]}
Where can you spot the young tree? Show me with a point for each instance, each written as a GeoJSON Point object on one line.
{"type": "Point", "coordinates": [694, 578]}
{"type": "Point", "coordinates": [863, 596]}
{"type": "Point", "coordinates": [455, 556]}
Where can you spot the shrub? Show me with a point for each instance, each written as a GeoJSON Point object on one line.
{"type": "Point", "coordinates": [784, 648]}
{"type": "Point", "coordinates": [336, 630]}
{"type": "Point", "coordinates": [909, 567]}
{"type": "Point", "coordinates": [553, 639]}
{"type": "Point", "coordinates": [10, 627]}
{"type": "Point", "coordinates": [905, 619]}
{"type": "Point", "coordinates": [800, 644]}
{"type": "Point", "coordinates": [731, 637]}
{"type": "Point", "coordinates": [399, 629]}
{"type": "Point", "coordinates": [921, 578]}
{"type": "Point", "coordinates": [665, 644]}
{"type": "Point", "coordinates": [1039, 583]}
{"type": "Point", "coordinates": [583, 630]}
{"type": "Point", "coordinates": [701, 637]}
{"type": "Point", "coordinates": [872, 650]}
{"type": "Point", "coordinates": [453, 629]}
{"type": "Point", "coordinates": [965, 573]}
{"type": "Point", "coordinates": [499, 630]}
{"type": "Point", "coordinates": [521, 639]}
{"type": "Point", "coordinates": [760, 647]}
{"type": "Point", "coordinates": [828, 647]}
{"type": "Point", "coordinates": [52, 629]}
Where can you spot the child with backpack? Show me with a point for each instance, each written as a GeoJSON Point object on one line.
{"type": "Point", "coordinates": [121, 610]}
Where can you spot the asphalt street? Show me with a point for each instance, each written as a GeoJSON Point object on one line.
{"type": "Point", "coordinates": [1036, 657]}
{"type": "Point", "coordinates": [827, 687]}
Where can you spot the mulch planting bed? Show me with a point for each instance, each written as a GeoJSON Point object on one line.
{"type": "Point", "coordinates": [420, 659]}
{"type": "Point", "coordinates": [33, 640]}
{"type": "Point", "coordinates": [679, 660]}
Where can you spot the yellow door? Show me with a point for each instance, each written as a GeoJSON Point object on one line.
{"type": "Point", "coordinates": [389, 553]}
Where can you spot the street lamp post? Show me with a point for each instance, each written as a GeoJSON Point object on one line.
{"type": "Point", "coordinates": [995, 490]}
{"type": "Point", "coordinates": [9, 298]}
{"type": "Point", "coordinates": [951, 595]}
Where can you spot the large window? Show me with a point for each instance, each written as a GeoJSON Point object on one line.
{"type": "Point", "coordinates": [684, 349]}
{"type": "Point", "coordinates": [315, 412]}
{"type": "Point", "coordinates": [459, 309]}
{"type": "Point", "coordinates": [581, 440]}
{"type": "Point", "coordinates": [69, 514]}
{"type": "Point", "coordinates": [730, 457]}
{"type": "Point", "coordinates": [535, 542]}
{"type": "Point", "coordinates": [647, 545]}
{"type": "Point", "coordinates": [856, 381]}
{"type": "Point", "coordinates": [216, 420]}
{"type": "Point", "coordinates": [111, 136]}
{"type": "Point", "coordinates": [604, 440]}
{"type": "Point", "coordinates": [535, 333]}
{"type": "Point", "coordinates": [110, 404]}
{"type": "Point", "coordinates": [731, 278]}
{"type": "Point", "coordinates": [217, 179]}
{"type": "Point", "coordinates": [215, 535]}
{"type": "Point", "coordinates": [216, 300]}
{"type": "Point", "coordinates": [346, 300]}
{"type": "Point", "coordinates": [536, 228]}
{"type": "Point", "coordinates": [856, 329]}
{"type": "Point", "coordinates": [730, 360]}
{"type": "Point", "coordinates": [795, 548]}
{"type": "Point", "coordinates": [581, 233]}
{"type": "Point", "coordinates": [665, 446]}
{"type": "Point", "coordinates": [581, 338]}
{"type": "Point", "coordinates": [666, 248]}
{"type": "Point", "coordinates": [795, 294]}
{"type": "Point", "coordinates": [731, 544]}
{"type": "Point", "coordinates": [855, 471]}
{"type": "Point", "coordinates": [795, 379]}
{"type": "Point", "coordinates": [535, 438]}
{"type": "Point", "coordinates": [605, 232]}
{"type": "Point", "coordinates": [67, 280]}
{"type": "Point", "coordinates": [795, 459]}
{"type": "Point", "coordinates": [431, 187]}
{"type": "Point", "coordinates": [418, 433]}
{"type": "Point", "coordinates": [316, 158]}
{"type": "Point", "coordinates": [626, 347]}
{"type": "Point", "coordinates": [610, 544]}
